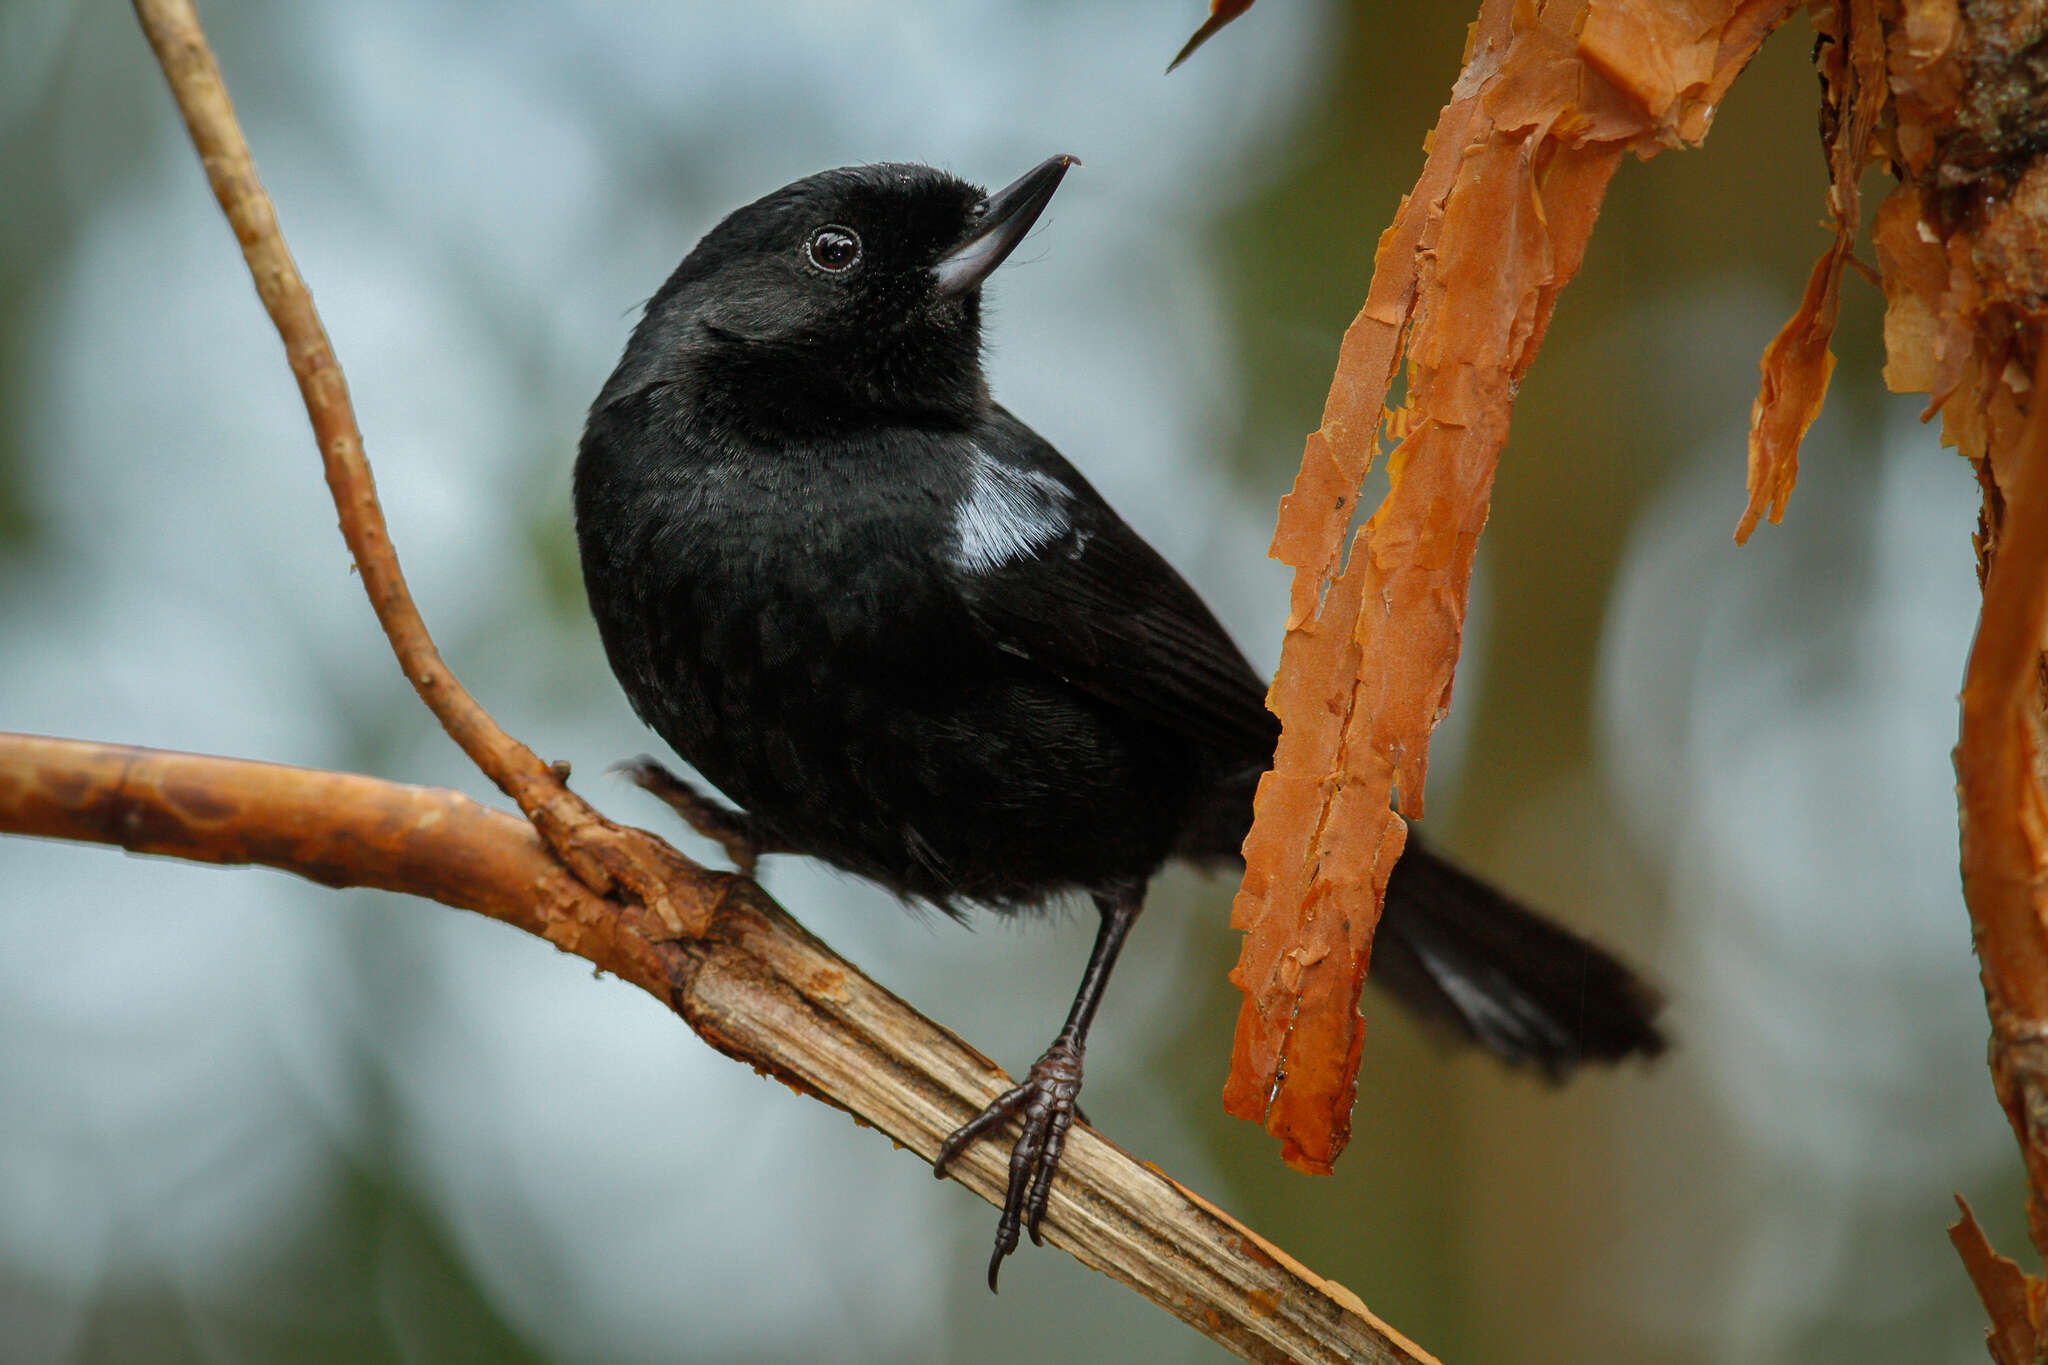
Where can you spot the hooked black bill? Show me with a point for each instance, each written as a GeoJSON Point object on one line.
{"type": "Point", "coordinates": [1001, 220]}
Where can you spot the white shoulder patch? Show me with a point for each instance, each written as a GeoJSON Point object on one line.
{"type": "Point", "coordinates": [1007, 514]}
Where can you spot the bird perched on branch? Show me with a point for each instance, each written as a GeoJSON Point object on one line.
{"type": "Point", "coordinates": [905, 636]}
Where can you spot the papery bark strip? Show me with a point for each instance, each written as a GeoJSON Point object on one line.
{"type": "Point", "coordinates": [1798, 363]}
{"type": "Point", "coordinates": [1550, 99]}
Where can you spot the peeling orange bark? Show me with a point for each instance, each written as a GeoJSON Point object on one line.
{"type": "Point", "coordinates": [2011, 1299]}
{"type": "Point", "coordinates": [1999, 756]}
{"type": "Point", "coordinates": [1551, 97]}
{"type": "Point", "coordinates": [1966, 322]}
{"type": "Point", "coordinates": [1797, 364]}
{"type": "Point", "coordinates": [1962, 246]}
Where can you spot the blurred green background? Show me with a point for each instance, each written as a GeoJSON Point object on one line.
{"type": "Point", "coordinates": [246, 1119]}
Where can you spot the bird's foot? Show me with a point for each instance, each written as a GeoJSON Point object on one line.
{"type": "Point", "coordinates": [1046, 1102]}
{"type": "Point", "coordinates": [730, 829]}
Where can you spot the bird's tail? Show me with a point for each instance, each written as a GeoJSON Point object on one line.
{"type": "Point", "coordinates": [1465, 955]}
{"type": "Point", "coordinates": [1468, 957]}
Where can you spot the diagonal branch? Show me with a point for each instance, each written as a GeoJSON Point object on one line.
{"type": "Point", "coordinates": [755, 986]}
{"type": "Point", "coordinates": [596, 850]}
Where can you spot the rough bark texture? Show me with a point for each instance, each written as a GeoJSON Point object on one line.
{"type": "Point", "coordinates": [1962, 244]}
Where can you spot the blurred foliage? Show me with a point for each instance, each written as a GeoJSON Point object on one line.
{"type": "Point", "coordinates": [365, 1277]}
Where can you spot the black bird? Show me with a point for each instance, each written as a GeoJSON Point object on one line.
{"type": "Point", "coordinates": [888, 620]}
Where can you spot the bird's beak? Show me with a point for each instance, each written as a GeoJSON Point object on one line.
{"type": "Point", "coordinates": [1000, 222]}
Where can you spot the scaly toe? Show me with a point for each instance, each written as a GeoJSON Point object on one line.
{"type": "Point", "coordinates": [1046, 1103]}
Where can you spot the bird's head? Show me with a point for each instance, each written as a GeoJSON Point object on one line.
{"type": "Point", "coordinates": [852, 295]}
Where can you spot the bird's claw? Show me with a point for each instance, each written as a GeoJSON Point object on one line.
{"type": "Point", "coordinates": [1045, 1101]}
{"type": "Point", "coordinates": [730, 829]}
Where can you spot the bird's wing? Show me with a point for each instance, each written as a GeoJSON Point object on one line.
{"type": "Point", "coordinates": [1056, 577]}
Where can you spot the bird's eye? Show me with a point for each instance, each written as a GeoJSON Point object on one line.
{"type": "Point", "coordinates": [833, 248]}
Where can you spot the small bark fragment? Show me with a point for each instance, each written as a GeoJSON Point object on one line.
{"type": "Point", "coordinates": [2011, 1300]}
{"type": "Point", "coordinates": [1797, 364]}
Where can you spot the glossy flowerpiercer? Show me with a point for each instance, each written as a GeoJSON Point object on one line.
{"type": "Point", "coordinates": [905, 636]}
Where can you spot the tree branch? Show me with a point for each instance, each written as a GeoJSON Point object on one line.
{"type": "Point", "coordinates": [1962, 244]}
{"type": "Point", "coordinates": [754, 985]}
{"type": "Point", "coordinates": [596, 850]}
{"type": "Point", "coordinates": [2004, 810]}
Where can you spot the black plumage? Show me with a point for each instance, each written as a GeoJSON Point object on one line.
{"type": "Point", "coordinates": [904, 635]}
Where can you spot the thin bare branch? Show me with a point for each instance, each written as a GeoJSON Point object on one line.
{"type": "Point", "coordinates": [595, 849]}
{"type": "Point", "coordinates": [755, 985]}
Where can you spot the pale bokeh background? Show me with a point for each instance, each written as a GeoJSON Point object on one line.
{"type": "Point", "coordinates": [242, 1118]}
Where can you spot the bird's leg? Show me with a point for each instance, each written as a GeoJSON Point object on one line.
{"type": "Point", "coordinates": [732, 830]}
{"type": "Point", "coordinates": [1046, 1098]}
